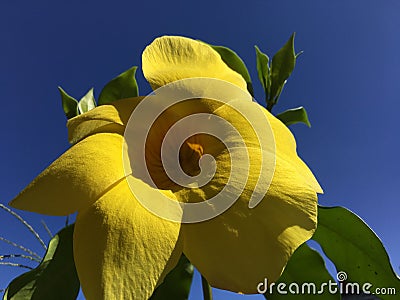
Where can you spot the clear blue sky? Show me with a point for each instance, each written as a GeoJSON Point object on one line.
{"type": "Point", "coordinates": [347, 79]}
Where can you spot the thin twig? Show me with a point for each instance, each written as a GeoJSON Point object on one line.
{"type": "Point", "coordinates": [20, 247]}
{"type": "Point", "coordinates": [6, 256]}
{"type": "Point", "coordinates": [207, 293]}
{"type": "Point", "coordinates": [30, 228]}
{"type": "Point", "coordinates": [46, 228]}
{"type": "Point", "coordinates": [15, 265]}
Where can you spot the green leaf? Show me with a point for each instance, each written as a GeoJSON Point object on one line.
{"type": "Point", "coordinates": [69, 104]}
{"type": "Point", "coordinates": [87, 102]}
{"type": "Point", "coordinates": [236, 64]}
{"type": "Point", "coordinates": [306, 272]}
{"type": "Point", "coordinates": [263, 71]}
{"type": "Point", "coordinates": [293, 116]}
{"type": "Point", "coordinates": [355, 249]}
{"type": "Point", "coordinates": [177, 283]}
{"type": "Point", "coordinates": [282, 66]}
{"type": "Point", "coordinates": [54, 278]}
{"type": "Point", "coordinates": [122, 86]}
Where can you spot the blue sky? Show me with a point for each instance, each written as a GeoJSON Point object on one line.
{"type": "Point", "coordinates": [346, 78]}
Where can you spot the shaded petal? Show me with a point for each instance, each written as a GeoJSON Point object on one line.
{"type": "Point", "coordinates": [77, 178]}
{"type": "Point", "coordinates": [243, 246]}
{"type": "Point", "coordinates": [121, 250]}
{"type": "Point", "coordinates": [239, 248]}
{"type": "Point", "coordinates": [171, 58]}
{"type": "Point", "coordinates": [110, 118]}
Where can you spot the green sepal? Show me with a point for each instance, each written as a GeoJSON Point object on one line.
{"type": "Point", "coordinates": [122, 86]}
{"type": "Point", "coordinates": [69, 104]}
{"type": "Point", "coordinates": [293, 116]}
{"type": "Point", "coordinates": [263, 71]}
{"type": "Point", "coordinates": [87, 102]}
{"type": "Point", "coordinates": [177, 283]}
{"type": "Point", "coordinates": [54, 278]}
{"type": "Point", "coordinates": [236, 64]}
{"type": "Point", "coordinates": [306, 266]}
{"type": "Point", "coordinates": [355, 249]}
{"type": "Point", "coordinates": [282, 66]}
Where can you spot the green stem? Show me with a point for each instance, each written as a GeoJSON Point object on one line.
{"type": "Point", "coordinates": [207, 293]}
{"type": "Point", "coordinates": [269, 106]}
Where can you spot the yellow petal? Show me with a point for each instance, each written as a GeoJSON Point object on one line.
{"type": "Point", "coordinates": [286, 150]}
{"type": "Point", "coordinates": [110, 118]}
{"type": "Point", "coordinates": [77, 178]}
{"type": "Point", "coordinates": [171, 58]}
{"type": "Point", "coordinates": [121, 250]}
{"type": "Point", "coordinates": [243, 246]}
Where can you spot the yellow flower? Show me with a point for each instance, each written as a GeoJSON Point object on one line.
{"type": "Point", "coordinates": [121, 249]}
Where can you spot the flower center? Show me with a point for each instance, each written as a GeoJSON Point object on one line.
{"type": "Point", "coordinates": [189, 156]}
{"type": "Point", "coordinates": [179, 152]}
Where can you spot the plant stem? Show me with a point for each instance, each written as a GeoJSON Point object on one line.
{"type": "Point", "coordinates": [15, 265]}
{"type": "Point", "coordinates": [270, 104]}
{"type": "Point", "coordinates": [207, 293]}
{"type": "Point", "coordinates": [7, 256]}
{"type": "Point", "coordinates": [46, 228]}
{"type": "Point", "coordinates": [20, 247]}
{"type": "Point", "coordinates": [30, 228]}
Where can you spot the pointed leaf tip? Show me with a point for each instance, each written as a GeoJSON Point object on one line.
{"type": "Point", "coordinates": [263, 71]}
{"type": "Point", "coordinates": [87, 102]}
{"type": "Point", "coordinates": [293, 116]}
{"type": "Point", "coordinates": [122, 86]}
{"type": "Point", "coordinates": [69, 104]}
{"type": "Point", "coordinates": [282, 66]}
